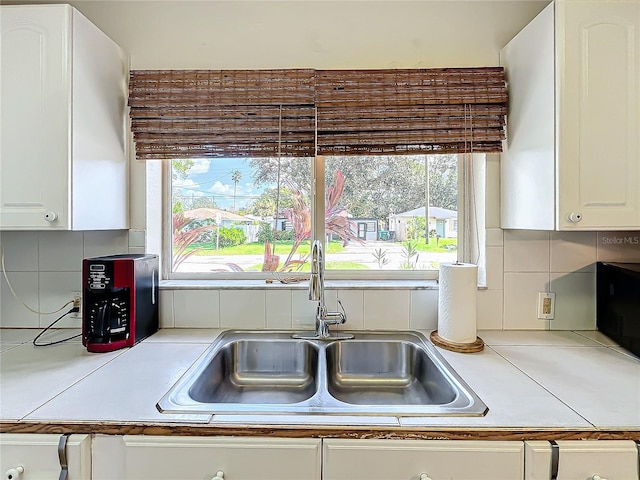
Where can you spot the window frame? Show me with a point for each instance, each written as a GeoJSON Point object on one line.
{"type": "Point", "coordinates": [318, 230]}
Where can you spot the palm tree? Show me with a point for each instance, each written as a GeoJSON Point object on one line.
{"type": "Point", "coordinates": [236, 175]}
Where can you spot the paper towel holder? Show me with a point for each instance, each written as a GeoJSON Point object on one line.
{"type": "Point", "coordinates": [472, 347]}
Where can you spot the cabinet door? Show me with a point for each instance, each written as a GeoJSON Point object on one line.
{"type": "Point", "coordinates": [583, 460]}
{"type": "Point", "coordinates": [38, 456]}
{"type": "Point", "coordinates": [200, 458]}
{"type": "Point", "coordinates": [35, 116]}
{"type": "Point", "coordinates": [422, 459]}
{"type": "Point", "coordinates": [598, 107]}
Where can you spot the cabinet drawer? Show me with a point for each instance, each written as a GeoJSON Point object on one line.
{"type": "Point", "coordinates": [408, 459]}
{"type": "Point", "coordinates": [200, 458]}
{"type": "Point", "coordinates": [38, 456]}
{"type": "Point", "coordinates": [582, 459]}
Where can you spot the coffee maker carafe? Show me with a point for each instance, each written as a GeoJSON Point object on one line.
{"type": "Point", "coordinates": [119, 300]}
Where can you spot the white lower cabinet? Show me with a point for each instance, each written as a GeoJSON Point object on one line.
{"type": "Point", "coordinates": [206, 458]}
{"type": "Point", "coordinates": [582, 460]}
{"type": "Point", "coordinates": [35, 457]}
{"type": "Point", "coordinates": [422, 460]}
{"type": "Point", "coordinates": [147, 457]}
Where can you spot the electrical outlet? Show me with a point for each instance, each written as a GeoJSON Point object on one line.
{"type": "Point", "coordinates": [77, 303]}
{"type": "Point", "coordinates": [546, 305]}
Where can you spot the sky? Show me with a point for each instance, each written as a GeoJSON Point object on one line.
{"type": "Point", "coordinates": [210, 177]}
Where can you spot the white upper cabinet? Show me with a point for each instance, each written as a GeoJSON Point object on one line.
{"type": "Point", "coordinates": [64, 147]}
{"type": "Point", "coordinates": [571, 160]}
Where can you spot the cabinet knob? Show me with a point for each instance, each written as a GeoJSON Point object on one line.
{"type": "Point", "coordinates": [51, 216]}
{"type": "Point", "coordinates": [597, 477]}
{"type": "Point", "coordinates": [424, 476]}
{"type": "Point", "coordinates": [219, 475]}
{"type": "Point", "coordinates": [14, 473]}
{"type": "Point", "coordinates": [574, 217]}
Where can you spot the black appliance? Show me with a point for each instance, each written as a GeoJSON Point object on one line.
{"type": "Point", "coordinates": [618, 303]}
{"type": "Point", "coordinates": [119, 300]}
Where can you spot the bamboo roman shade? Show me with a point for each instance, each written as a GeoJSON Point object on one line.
{"type": "Point", "coordinates": [269, 113]}
{"type": "Point", "coordinates": [222, 113]}
{"type": "Point", "coordinates": [452, 110]}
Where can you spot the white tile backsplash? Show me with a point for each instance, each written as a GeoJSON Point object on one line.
{"type": "Point", "coordinates": [575, 301]}
{"type": "Point", "coordinates": [197, 308]}
{"type": "Point", "coordinates": [242, 308]}
{"type": "Point", "coordinates": [60, 251]}
{"type": "Point", "coordinates": [303, 310]}
{"type": "Point", "coordinates": [45, 267]}
{"type": "Point", "coordinates": [56, 289]}
{"type": "Point", "coordinates": [386, 309]}
{"type": "Point", "coordinates": [424, 310]}
{"type": "Point", "coordinates": [20, 251]}
{"type": "Point", "coordinates": [109, 242]}
{"type": "Point", "coordinates": [573, 251]}
{"type": "Point", "coordinates": [489, 309]}
{"type": "Point", "coordinates": [353, 303]}
{"type": "Point", "coordinates": [526, 251]}
{"type": "Point", "coordinates": [165, 309]}
{"type": "Point", "coordinates": [278, 309]}
{"type": "Point", "coordinates": [12, 312]}
{"type": "Point", "coordinates": [495, 267]}
{"type": "Point", "coordinates": [137, 238]}
{"type": "Point", "coordinates": [520, 300]}
{"type": "Point", "coordinates": [494, 237]}
{"type": "Point", "coordinates": [618, 247]}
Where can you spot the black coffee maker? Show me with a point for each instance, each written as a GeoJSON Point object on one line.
{"type": "Point", "coordinates": [119, 300]}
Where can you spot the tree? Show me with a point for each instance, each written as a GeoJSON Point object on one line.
{"type": "Point", "coordinates": [236, 175]}
{"type": "Point", "coordinates": [443, 187]}
{"type": "Point", "coordinates": [376, 186]}
{"type": "Point", "coordinates": [265, 205]}
{"type": "Point", "coordinates": [180, 168]}
{"type": "Point", "coordinates": [189, 202]}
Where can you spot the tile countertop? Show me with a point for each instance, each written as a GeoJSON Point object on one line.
{"type": "Point", "coordinates": [537, 384]}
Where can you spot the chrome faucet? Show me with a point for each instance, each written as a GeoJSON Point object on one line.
{"type": "Point", "coordinates": [324, 318]}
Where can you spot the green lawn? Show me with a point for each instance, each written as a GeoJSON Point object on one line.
{"type": "Point", "coordinates": [283, 248]}
{"type": "Point", "coordinates": [256, 248]}
{"type": "Point", "coordinates": [443, 245]}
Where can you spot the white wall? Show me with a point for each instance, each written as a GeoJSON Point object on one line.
{"type": "Point", "coordinates": [45, 267]}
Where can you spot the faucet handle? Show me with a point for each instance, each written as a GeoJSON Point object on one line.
{"type": "Point", "coordinates": [344, 313]}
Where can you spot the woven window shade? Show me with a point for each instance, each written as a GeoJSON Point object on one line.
{"type": "Point", "coordinates": [267, 113]}
{"type": "Point", "coordinates": [222, 113]}
{"type": "Point", "coordinates": [453, 110]}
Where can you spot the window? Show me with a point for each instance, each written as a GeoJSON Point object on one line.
{"type": "Point", "coordinates": [230, 218]}
{"type": "Point", "coordinates": [262, 162]}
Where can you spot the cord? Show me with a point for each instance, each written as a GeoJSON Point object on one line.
{"type": "Point", "coordinates": [4, 272]}
{"type": "Point", "coordinates": [35, 340]}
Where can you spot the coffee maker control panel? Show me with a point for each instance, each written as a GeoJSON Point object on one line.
{"type": "Point", "coordinates": [100, 278]}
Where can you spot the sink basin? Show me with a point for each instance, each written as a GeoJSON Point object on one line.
{"type": "Point", "coordinates": [385, 373]}
{"type": "Point", "coordinates": [258, 371]}
{"type": "Point", "coordinates": [375, 373]}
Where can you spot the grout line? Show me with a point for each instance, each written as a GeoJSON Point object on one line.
{"type": "Point", "coordinates": [75, 383]}
{"type": "Point", "coordinates": [545, 388]}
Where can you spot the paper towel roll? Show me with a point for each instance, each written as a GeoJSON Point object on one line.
{"type": "Point", "coordinates": [457, 321]}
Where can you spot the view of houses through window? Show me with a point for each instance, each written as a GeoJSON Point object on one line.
{"type": "Point", "coordinates": [254, 215]}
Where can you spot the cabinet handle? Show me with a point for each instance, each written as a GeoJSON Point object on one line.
{"type": "Point", "coordinates": [597, 477]}
{"type": "Point", "coordinates": [14, 473]}
{"type": "Point", "coordinates": [574, 217]}
{"type": "Point", "coordinates": [219, 475]}
{"type": "Point", "coordinates": [424, 476]}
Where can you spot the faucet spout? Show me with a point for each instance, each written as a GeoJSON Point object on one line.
{"type": "Point", "coordinates": [316, 280]}
{"type": "Point", "coordinates": [324, 318]}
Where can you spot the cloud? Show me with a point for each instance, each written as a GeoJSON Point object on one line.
{"type": "Point", "coordinates": [184, 183]}
{"type": "Point", "coordinates": [200, 166]}
{"type": "Point", "coordinates": [221, 189]}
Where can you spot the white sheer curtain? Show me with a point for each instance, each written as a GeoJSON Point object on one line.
{"type": "Point", "coordinates": [471, 231]}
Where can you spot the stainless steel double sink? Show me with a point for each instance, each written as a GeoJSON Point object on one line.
{"type": "Point", "coordinates": [375, 373]}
